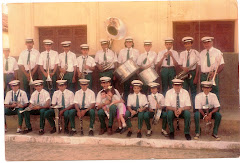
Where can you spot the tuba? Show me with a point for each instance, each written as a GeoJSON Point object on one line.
{"type": "Point", "coordinates": [115, 28]}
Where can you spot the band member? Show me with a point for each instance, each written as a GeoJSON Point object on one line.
{"type": "Point", "coordinates": [84, 100]}
{"type": "Point", "coordinates": [186, 61]}
{"type": "Point", "coordinates": [207, 106]}
{"type": "Point", "coordinates": [125, 54]}
{"type": "Point", "coordinates": [178, 104]}
{"type": "Point", "coordinates": [68, 65]}
{"type": "Point", "coordinates": [9, 69]}
{"type": "Point", "coordinates": [105, 83]}
{"type": "Point", "coordinates": [211, 59]}
{"type": "Point", "coordinates": [136, 106]}
{"type": "Point", "coordinates": [28, 61]}
{"type": "Point", "coordinates": [85, 65]}
{"type": "Point", "coordinates": [49, 60]}
{"type": "Point", "coordinates": [106, 60]}
{"type": "Point", "coordinates": [156, 101]}
{"type": "Point", "coordinates": [167, 60]}
{"type": "Point", "coordinates": [15, 101]}
{"type": "Point", "coordinates": [39, 102]}
{"type": "Point", "coordinates": [147, 59]}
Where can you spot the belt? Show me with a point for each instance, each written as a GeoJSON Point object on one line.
{"type": "Point", "coordinates": [205, 73]}
{"type": "Point", "coordinates": [8, 73]}
{"type": "Point", "coordinates": [168, 67]}
{"type": "Point", "coordinates": [109, 69]}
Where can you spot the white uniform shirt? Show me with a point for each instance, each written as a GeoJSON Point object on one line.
{"type": "Point", "coordinates": [214, 55]}
{"type": "Point", "coordinates": [171, 98]}
{"type": "Point", "coordinates": [53, 59]}
{"type": "Point", "coordinates": [12, 65]}
{"type": "Point", "coordinates": [89, 98]}
{"type": "Point", "coordinates": [132, 99]}
{"type": "Point", "coordinates": [200, 100]}
{"type": "Point", "coordinates": [99, 99]}
{"type": "Point", "coordinates": [23, 57]}
{"type": "Point", "coordinates": [21, 97]}
{"type": "Point", "coordinates": [89, 62]}
{"type": "Point", "coordinates": [71, 60]}
{"type": "Point", "coordinates": [151, 59]}
{"type": "Point", "coordinates": [68, 97]}
{"type": "Point", "coordinates": [193, 57]}
{"type": "Point", "coordinates": [161, 55]}
{"type": "Point", "coordinates": [133, 53]}
{"type": "Point", "coordinates": [152, 101]}
{"type": "Point", "coordinates": [43, 97]}
{"type": "Point", "coordinates": [110, 55]}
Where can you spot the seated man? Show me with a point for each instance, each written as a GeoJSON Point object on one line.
{"type": "Point", "coordinates": [39, 103]}
{"type": "Point", "coordinates": [178, 104]}
{"type": "Point", "coordinates": [15, 101]}
{"type": "Point", "coordinates": [207, 106]}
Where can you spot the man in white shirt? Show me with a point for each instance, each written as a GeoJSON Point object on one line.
{"type": "Point", "coordinates": [68, 65]}
{"type": "Point", "coordinates": [84, 100]}
{"type": "Point", "coordinates": [10, 68]}
{"type": "Point", "coordinates": [167, 61]}
{"type": "Point", "coordinates": [85, 65]}
{"type": "Point", "coordinates": [207, 106]}
{"type": "Point", "coordinates": [15, 101]}
{"type": "Point", "coordinates": [211, 60]}
{"type": "Point", "coordinates": [178, 104]}
{"type": "Point", "coordinates": [27, 61]}
{"type": "Point", "coordinates": [49, 60]}
{"type": "Point", "coordinates": [39, 102]}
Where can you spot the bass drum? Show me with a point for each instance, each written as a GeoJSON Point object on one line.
{"type": "Point", "coordinates": [148, 75]}
{"type": "Point", "coordinates": [126, 70]}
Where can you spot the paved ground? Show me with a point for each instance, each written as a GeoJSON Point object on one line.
{"type": "Point", "coordinates": [27, 152]}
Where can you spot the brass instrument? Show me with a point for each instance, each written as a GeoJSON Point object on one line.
{"type": "Point", "coordinates": [115, 28]}
{"type": "Point", "coordinates": [29, 108]}
{"type": "Point", "coordinates": [58, 119]}
{"type": "Point", "coordinates": [137, 111]}
{"type": "Point", "coordinates": [84, 71]}
{"type": "Point", "coordinates": [185, 75]}
{"type": "Point", "coordinates": [106, 65]}
{"type": "Point", "coordinates": [208, 124]}
{"type": "Point", "coordinates": [157, 113]}
{"type": "Point", "coordinates": [215, 73]}
{"type": "Point", "coordinates": [61, 75]}
{"type": "Point", "coordinates": [31, 79]}
{"type": "Point", "coordinates": [49, 80]}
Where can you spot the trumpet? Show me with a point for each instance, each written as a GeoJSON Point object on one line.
{"type": "Point", "coordinates": [29, 108]}
{"type": "Point", "coordinates": [61, 75]}
{"type": "Point", "coordinates": [49, 80]}
{"type": "Point", "coordinates": [215, 73]}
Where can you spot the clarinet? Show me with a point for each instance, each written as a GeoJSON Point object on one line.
{"type": "Point", "coordinates": [178, 106]}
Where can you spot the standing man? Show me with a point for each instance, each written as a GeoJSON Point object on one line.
{"type": "Point", "coordinates": [49, 59]}
{"type": "Point", "coordinates": [85, 65]}
{"type": "Point", "coordinates": [188, 58]}
{"type": "Point", "coordinates": [207, 106]}
{"type": "Point", "coordinates": [28, 62]}
{"type": "Point", "coordinates": [167, 60]}
{"type": "Point", "coordinates": [68, 65]}
{"type": "Point", "coordinates": [210, 59]}
{"type": "Point", "coordinates": [178, 104]}
{"type": "Point", "coordinates": [128, 53]}
{"type": "Point", "coordinates": [9, 69]}
{"type": "Point", "coordinates": [84, 100]}
{"type": "Point", "coordinates": [106, 60]}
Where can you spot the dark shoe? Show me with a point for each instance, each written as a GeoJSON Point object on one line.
{"type": "Point", "coordinates": [164, 132]}
{"type": "Point", "coordinates": [139, 135]}
{"type": "Point", "coordinates": [41, 132]}
{"type": "Point", "coordinates": [90, 133]}
{"type": "Point", "coordinates": [149, 133]}
{"type": "Point", "coordinates": [81, 133]}
{"type": "Point", "coordinates": [102, 131]}
{"type": "Point", "coordinates": [72, 132]}
{"type": "Point", "coordinates": [171, 135]}
{"type": "Point", "coordinates": [66, 131]}
{"type": "Point", "coordinates": [109, 131]}
{"type": "Point", "coordinates": [118, 130]}
{"type": "Point", "coordinates": [53, 130]}
{"type": "Point", "coordinates": [123, 130]}
{"type": "Point", "coordinates": [188, 137]}
{"type": "Point", "coordinates": [216, 137]}
{"type": "Point", "coordinates": [129, 134]}
{"type": "Point", "coordinates": [27, 130]}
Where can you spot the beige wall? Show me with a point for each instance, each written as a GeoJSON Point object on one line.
{"type": "Point", "coordinates": [143, 20]}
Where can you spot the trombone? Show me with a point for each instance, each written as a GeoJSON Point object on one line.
{"type": "Point", "coordinates": [31, 79]}
{"type": "Point", "coordinates": [49, 80]}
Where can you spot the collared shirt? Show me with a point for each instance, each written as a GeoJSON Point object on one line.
{"type": "Point", "coordinates": [200, 100]}
{"type": "Point", "coordinates": [215, 55]}
{"type": "Point", "coordinates": [21, 97]}
{"type": "Point", "coordinates": [53, 59]}
{"type": "Point", "coordinates": [68, 97]}
{"type": "Point", "coordinates": [153, 102]}
{"type": "Point", "coordinates": [161, 55]}
{"type": "Point", "coordinates": [89, 97]}
{"type": "Point", "coordinates": [12, 65]}
{"type": "Point", "coordinates": [151, 59]}
{"type": "Point", "coordinates": [171, 98]}
{"type": "Point", "coordinates": [133, 53]}
{"type": "Point", "coordinates": [43, 97]}
{"type": "Point", "coordinates": [110, 55]}
{"type": "Point", "coordinates": [132, 98]}
{"type": "Point", "coordinates": [71, 60]}
{"type": "Point", "coordinates": [193, 57]}
{"type": "Point", "coordinates": [23, 57]}
{"type": "Point", "coordinates": [89, 62]}
{"type": "Point", "coordinates": [99, 99]}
